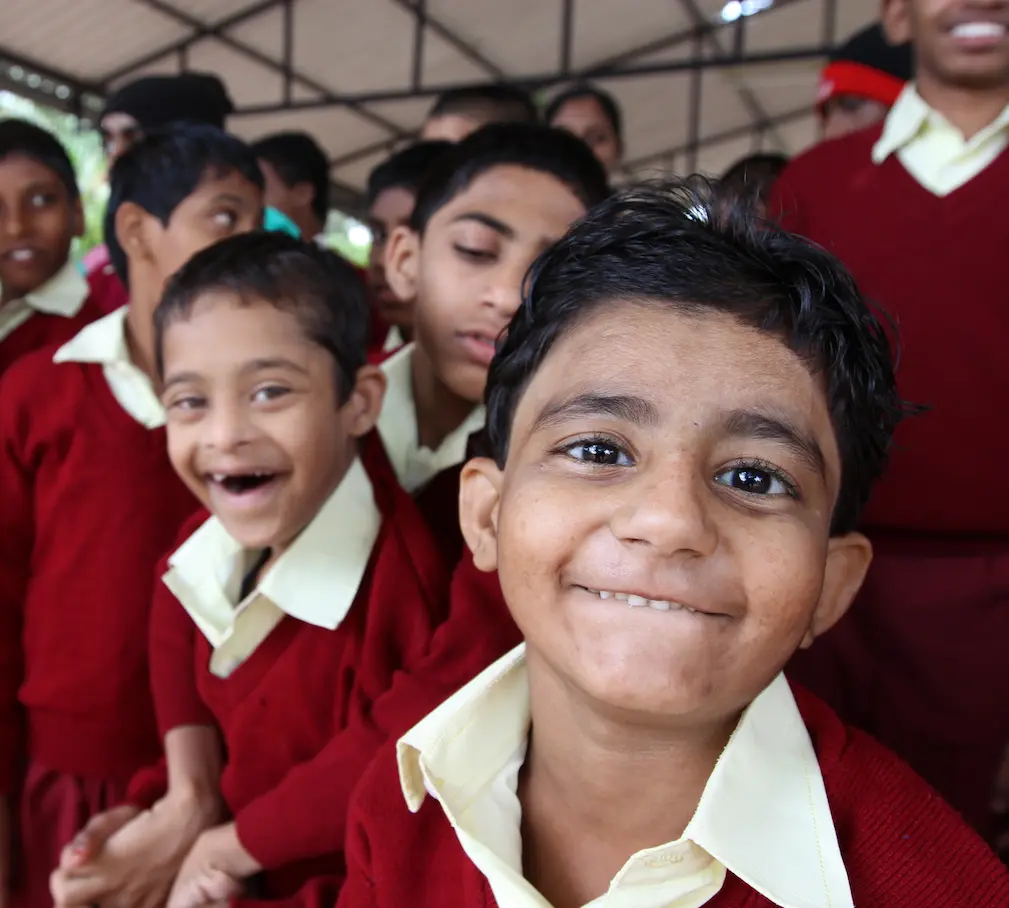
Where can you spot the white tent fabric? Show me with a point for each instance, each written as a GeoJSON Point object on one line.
{"type": "Point", "coordinates": [697, 92]}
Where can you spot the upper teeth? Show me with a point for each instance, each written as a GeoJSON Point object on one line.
{"type": "Point", "coordinates": [979, 30]}
{"type": "Point", "coordinates": [221, 477]}
{"type": "Point", "coordinates": [20, 255]}
{"type": "Point", "coordinates": [660, 605]}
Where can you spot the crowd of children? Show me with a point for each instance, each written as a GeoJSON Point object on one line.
{"type": "Point", "coordinates": [472, 579]}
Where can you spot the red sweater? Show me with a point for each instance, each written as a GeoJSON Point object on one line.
{"type": "Point", "coordinates": [316, 691]}
{"type": "Point", "coordinates": [89, 504]}
{"type": "Point", "coordinates": [44, 330]}
{"type": "Point", "coordinates": [939, 267]}
{"type": "Point", "coordinates": [902, 846]}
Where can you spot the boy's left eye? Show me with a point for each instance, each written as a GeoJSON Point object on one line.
{"type": "Point", "coordinates": [42, 199]}
{"type": "Point", "coordinates": [226, 219]}
{"type": "Point", "coordinates": [756, 480]}
{"type": "Point", "coordinates": [268, 393]}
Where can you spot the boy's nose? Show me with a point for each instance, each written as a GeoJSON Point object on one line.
{"type": "Point", "coordinates": [670, 515]}
{"type": "Point", "coordinates": [228, 428]}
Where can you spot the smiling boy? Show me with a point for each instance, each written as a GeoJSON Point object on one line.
{"type": "Point", "coordinates": [913, 208]}
{"type": "Point", "coordinates": [487, 209]}
{"type": "Point", "coordinates": [90, 503]}
{"type": "Point", "coordinates": [686, 417]}
{"type": "Point", "coordinates": [282, 614]}
{"type": "Point", "coordinates": [43, 297]}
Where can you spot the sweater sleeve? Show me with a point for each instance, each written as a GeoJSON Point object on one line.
{"type": "Point", "coordinates": [172, 636]}
{"type": "Point", "coordinates": [148, 786]}
{"type": "Point", "coordinates": [16, 543]}
{"type": "Point", "coordinates": [319, 892]}
{"type": "Point", "coordinates": [285, 825]}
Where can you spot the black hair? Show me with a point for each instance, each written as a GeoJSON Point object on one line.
{"type": "Point", "coordinates": [406, 169]}
{"type": "Point", "coordinates": [321, 289]}
{"type": "Point", "coordinates": [491, 103]}
{"type": "Point", "coordinates": [607, 104]}
{"type": "Point", "coordinates": [19, 137]}
{"type": "Point", "coordinates": [542, 148]}
{"type": "Point", "coordinates": [750, 179]}
{"type": "Point", "coordinates": [165, 168]}
{"type": "Point", "coordinates": [298, 158]}
{"type": "Point", "coordinates": [678, 244]}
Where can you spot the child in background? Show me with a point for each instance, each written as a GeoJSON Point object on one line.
{"type": "Point", "coordinates": [90, 503]}
{"type": "Point", "coordinates": [487, 209]}
{"type": "Point", "coordinates": [594, 116]}
{"type": "Point", "coordinates": [686, 416]}
{"type": "Point", "coordinates": [43, 298]}
{"type": "Point", "coordinates": [749, 181]}
{"type": "Point", "coordinates": [296, 171]}
{"type": "Point", "coordinates": [462, 111]}
{"type": "Point", "coordinates": [281, 619]}
{"type": "Point", "coordinates": [913, 206]}
{"type": "Point", "coordinates": [392, 192]}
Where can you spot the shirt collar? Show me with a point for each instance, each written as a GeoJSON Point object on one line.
{"type": "Point", "coordinates": [63, 294]}
{"type": "Point", "coordinates": [316, 580]}
{"type": "Point", "coordinates": [764, 813]}
{"type": "Point", "coordinates": [103, 342]}
{"type": "Point", "coordinates": [397, 424]}
{"type": "Point", "coordinates": [911, 117]}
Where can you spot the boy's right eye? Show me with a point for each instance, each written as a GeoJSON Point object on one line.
{"type": "Point", "coordinates": [472, 254]}
{"type": "Point", "coordinates": [187, 403]}
{"type": "Point", "coordinates": [598, 452]}
{"type": "Point", "coordinates": [225, 219]}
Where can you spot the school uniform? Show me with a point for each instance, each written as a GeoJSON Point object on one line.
{"type": "Point", "coordinates": [799, 812]}
{"type": "Point", "coordinates": [52, 314]}
{"type": "Point", "coordinates": [89, 504]}
{"type": "Point", "coordinates": [916, 213]}
{"type": "Point", "coordinates": [416, 465]}
{"type": "Point", "coordinates": [294, 672]}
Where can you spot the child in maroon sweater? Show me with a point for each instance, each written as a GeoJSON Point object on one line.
{"type": "Point", "coordinates": [43, 297]}
{"type": "Point", "coordinates": [686, 416]}
{"type": "Point", "coordinates": [90, 503]}
{"type": "Point", "coordinates": [914, 208]}
{"type": "Point", "coordinates": [283, 618]}
{"type": "Point", "coordinates": [487, 208]}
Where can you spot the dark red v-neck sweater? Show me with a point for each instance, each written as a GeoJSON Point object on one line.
{"type": "Point", "coordinates": [88, 505]}
{"type": "Point", "coordinates": [300, 719]}
{"type": "Point", "coordinates": [902, 846]}
{"type": "Point", "coordinates": [940, 267]}
{"type": "Point", "coordinates": [44, 330]}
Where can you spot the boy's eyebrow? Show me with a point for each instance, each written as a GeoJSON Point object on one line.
{"type": "Point", "coordinates": [624, 407]}
{"type": "Point", "coordinates": [754, 424]}
{"type": "Point", "coordinates": [493, 223]}
{"type": "Point", "coordinates": [228, 197]}
{"type": "Point", "coordinates": [256, 365]}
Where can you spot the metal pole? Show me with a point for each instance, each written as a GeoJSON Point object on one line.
{"type": "Point", "coordinates": [696, 98]}
{"type": "Point", "coordinates": [288, 65]}
{"type": "Point", "coordinates": [567, 34]}
{"type": "Point", "coordinates": [420, 23]}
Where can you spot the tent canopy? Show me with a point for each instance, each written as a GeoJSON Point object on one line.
{"type": "Point", "coordinates": [697, 92]}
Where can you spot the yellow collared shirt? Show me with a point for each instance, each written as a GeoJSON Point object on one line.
{"type": "Point", "coordinates": [315, 580]}
{"type": "Point", "coordinates": [104, 342]}
{"type": "Point", "coordinates": [63, 295]}
{"type": "Point", "coordinates": [763, 814]}
{"type": "Point", "coordinates": [415, 465]}
{"type": "Point", "coordinates": [934, 151]}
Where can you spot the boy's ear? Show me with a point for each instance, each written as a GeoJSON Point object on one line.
{"type": "Point", "coordinates": [131, 232]}
{"type": "Point", "coordinates": [77, 218]}
{"type": "Point", "coordinates": [365, 401]}
{"type": "Point", "coordinates": [479, 498]}
{"type": "Point", "coordinates": [896, 18]}
{"type": "Point", "coordinates": [402, 263]}
{"type": "Point", "coordinates": [848, 560]}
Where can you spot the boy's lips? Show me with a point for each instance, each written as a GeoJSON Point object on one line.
{"type": "Point", "coordinates": [478, 347]}
{"type": "Point", "coordinates": [242, 491]}
{"type": "Point", "coordinates": [21, 255]}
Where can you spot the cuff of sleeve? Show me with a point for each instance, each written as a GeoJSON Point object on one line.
{"type": "Point", "coordinates": [148, 786]}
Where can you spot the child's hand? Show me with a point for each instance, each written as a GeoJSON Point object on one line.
{"type": "Point", "coordinates": [132, 866]}
{"type": "Point", "coordinates": [88, 843]}
{"type": "Point", "coordinates": [213, 870]}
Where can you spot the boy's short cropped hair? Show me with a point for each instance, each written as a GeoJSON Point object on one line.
{"type": "Point", "coordinates": [298, 158]}
{"type": "Point", "coordinates": [493, 103]}
{"type": "Point", "coordinates": [680, 245]}
{"type": "Point", "coordinates": [165, 168]}
{"type": "Point", "coordinates": [542, 148]}
{"type": "Point", "coordinates": [751, 178]}
{"type": "Point", "coordinates": [607, 104]}
{"type": "Point", "coordinates": [321, 289]}
{"type": "Point", "coordinates": [406, 169]}
{"type": "Point", "coordinates": [19, 137]}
